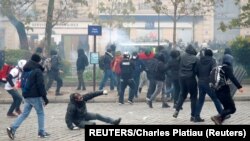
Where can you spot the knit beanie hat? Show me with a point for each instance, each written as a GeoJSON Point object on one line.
{"type": "Point", "coordinates": [36, 58]}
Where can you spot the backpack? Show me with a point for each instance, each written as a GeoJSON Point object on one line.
{"type": "Point", "coordinates": [101, 62]}
{"type": "Point", "coordinates": [217, 78]}
{"type": "Point", "coordinates": [25, 81]}
{"type": "Point", "coordinates": [5, 71]}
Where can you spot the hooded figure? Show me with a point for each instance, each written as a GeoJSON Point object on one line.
{"type": "Point", "coordinates": [188, 61]}
{"type": "Point", "coordinates": [81, 63]}
{"type": "Point", "coordinates": [188, 81]}
{"type": "Point", "coordinates": [78, 115]}
{"type": "Point", "coordinates": [224, 94]}
{"type": "Point", "coordinates": [35, 96]}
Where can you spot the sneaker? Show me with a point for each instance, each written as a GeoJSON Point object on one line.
{"type": "Point", "coordinates": [78, 88]}
{"type": "Point", "coordinates": [11, 115]}
{"type": "Point", "coordinates": [43, 135]}
{"type": "Point", "coordinates": [84, 89]}
{"type": "Point", "coordinates": [227, 117]}
{"type": "Point", "coordinates": [192, 119]}
{"type": "Point", "coordinates": [121, 103]}
{"type": "Point", "coordinates": [130, 102]}
{"type": "Point", "coordinates": [216, 120]}
{"type": "Point", "coordinates": [19, 112]}
{"type": "Point", "coordinates": [117, 121]}
{"type": "Point", "coordinates": [150, 104]}
{"type": "Point", "coordinates": [175, 115]}
{"type": "Point", "coordinates": [198, 119]}
{"type": "Point", "coordinates": [165, 105]}
{"type": "Point", "coordinates": [11, 133]}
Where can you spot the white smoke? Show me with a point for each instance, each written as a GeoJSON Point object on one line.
{"type": "Point", "coordinates": [1, 33]}
{"type": "Point", "coordinates": [118, 37]}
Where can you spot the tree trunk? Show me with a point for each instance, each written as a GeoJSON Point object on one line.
{"type": "Point", "coordinates": [48, 29]}
{"type": "Point", "coordinates": [20, 30]}
{"type": "Point", "coordinates": [193, 26]}
{"type": "Point", "coordinates": [175, 21]}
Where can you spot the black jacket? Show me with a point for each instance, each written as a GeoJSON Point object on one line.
{"type": "Point", "coordinates": [228, 69]}
{"type": "Point", "coordinates": [107, 60]}
{"type": "Point", "coordinates": [81, 62]}
{"type": "Point", "coordinates": [188, 63]}
{"type": "Point", "coordinates": [76, 111]}
{"type": "Point", "coordinates": [127, 69]}
{"type": "Point", "coordinates": [173, 68]}
{"type": "Point", "coordinates": [204, 67]}
{"type": "Point", "coordinates": [36, 80]}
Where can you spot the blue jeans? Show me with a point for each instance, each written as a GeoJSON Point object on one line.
{"type": "Point", "coordinates": [203, 90]}
{"type": "Point", "coordinates": [37, 103]}
{"type": "Point", "coordinates": [107, 74]}
{"type": "Point", "coordinates": [17, 100]}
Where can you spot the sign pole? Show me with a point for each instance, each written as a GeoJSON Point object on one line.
{"type": "Point", "coordinates": [94, 30]}
{"type": "Point", "coordinates": [94, 69]}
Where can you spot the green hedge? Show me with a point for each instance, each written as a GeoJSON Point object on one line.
{"type": "Point", "coordinates": [12, 56]}
{"type": "Point", "coordinates": [241, 52]}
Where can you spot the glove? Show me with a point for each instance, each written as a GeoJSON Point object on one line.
{"type": "Point", "coordinates": [139, 90]}
{"type": "Point", "coordinates": [75, 128]}
{"type": "Point", "coordinates": [105, 92]}
{"type": "Point", "coordinates": [46, 101]}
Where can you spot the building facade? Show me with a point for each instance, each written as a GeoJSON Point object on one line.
{"type": "Point", "coordinates": [145, 28]}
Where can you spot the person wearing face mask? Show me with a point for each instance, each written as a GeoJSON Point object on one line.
{"type": "Point", "coordinates": [78, 115]}
{"type": "Point", "coordinates": [136, 73]}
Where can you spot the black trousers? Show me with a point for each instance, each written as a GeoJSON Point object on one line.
{"type": "Point", "coordinates": [188, 85]}
{"type": "Point", "coordinates": [54, 76]}
{"type": "Point", "coordinates": [226, 100]}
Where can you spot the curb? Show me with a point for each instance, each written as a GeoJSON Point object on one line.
{"type": "Point", "coordinates": [112, 100]}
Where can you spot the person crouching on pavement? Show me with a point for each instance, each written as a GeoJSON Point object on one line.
{"type": "Point", "coordinates": [77, 111]}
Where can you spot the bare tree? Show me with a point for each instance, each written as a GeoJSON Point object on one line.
{"type": "Point", "coordinates": [62, 13]}
{"type": "Point", "coordinates": [179, 8]}
{"type": "Point", "coordinates": [19, 15]}
{"type": "Point", "coordinates": [243, 20]}
{"type": "Point", "coordinates": [117, 11]}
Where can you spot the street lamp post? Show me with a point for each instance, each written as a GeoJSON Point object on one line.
{"type": "Point", "coordinates": [159, 3]}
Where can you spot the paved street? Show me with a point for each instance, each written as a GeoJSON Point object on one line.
{"type": "Point", "coordinates": [139, 113]}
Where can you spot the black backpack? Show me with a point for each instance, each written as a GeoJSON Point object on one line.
{"type": "Point", "coordinates": [25, 81]}
{"type": "Point", "coordinates": [217, 77]}
{"type": "Point", "coordinates": [101, 62]}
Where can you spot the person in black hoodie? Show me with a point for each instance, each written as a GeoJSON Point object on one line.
{"type": "Point", "coordinates": [107, 72]}
{"type": "Point", "coordinates": [35, 97]}
{"type": "Point", "coordinates": [204, 67]}
{"type": "Point", "coordinates": [78, 115]}
{"type": "Point", "coordinates": [188, 81]}
{"type": "Point", "coordinates": [81, 63]}
{"type": "Point", "coordinates": [223, 93]}
{"type": "Point", "coordinates": [159, 77]}
{"type": "Point", "coordinates": [173, 67]}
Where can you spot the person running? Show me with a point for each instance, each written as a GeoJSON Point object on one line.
{"type": "Point", "coordinates": [13, 78]}
{"type": "Point", "coordinates": [35, 97]}
{"type": "Point", "coordinates": [223, 93]}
